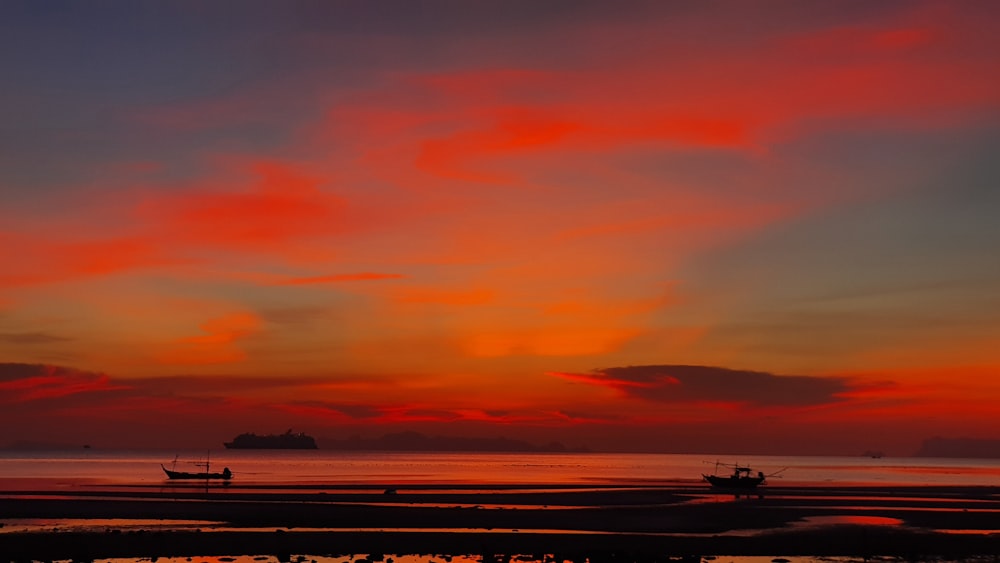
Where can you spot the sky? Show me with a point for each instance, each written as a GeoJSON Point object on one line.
{"type": "Point", "coordinates": [681, 226]}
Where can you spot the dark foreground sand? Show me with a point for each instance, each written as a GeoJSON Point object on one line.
{"type": "Point", "coordinates": [603, 524]}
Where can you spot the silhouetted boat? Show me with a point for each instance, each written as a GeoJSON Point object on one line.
{"type": "Point", "coordinates": [740, 478]}
{"type": "Point", "coordinates": [224, 475]}
{"type": "Point", "coordinates": [286, 441]}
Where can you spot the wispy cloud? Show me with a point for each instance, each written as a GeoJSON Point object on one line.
{"type": "Point", "coordinates": [23, 383]}
{"type": "Point", "coordinates": [218, 343]}
{"type": "Point", "coordinates": [32, 338]}
{"type": "Point", "coordinates": [280, 207]}
{"type": "Point", "coordinates": [337, 278]}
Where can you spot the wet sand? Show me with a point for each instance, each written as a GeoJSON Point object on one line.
{"type": "Point", "coordinates": [621, 523]}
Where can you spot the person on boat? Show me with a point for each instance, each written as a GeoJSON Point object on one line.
{"type": "Point", "coordinates": [226, 473]}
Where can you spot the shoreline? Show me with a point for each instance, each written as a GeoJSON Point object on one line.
{"type": "Point", "coordinates": [630, 522]}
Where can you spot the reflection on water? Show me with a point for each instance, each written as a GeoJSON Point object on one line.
{"type": "Point", "coordinates": [71, 468]}
{"type": "Point", "coordinates": [128, 525]}
{"type": "Point", "coordinates": [521, 558]}
{"type": "Point", "coordinates": [353, 558]}
{"type": "Point", "coordinates": [15, 525]}
{"type": "Point", "coordinates": [856, 519]}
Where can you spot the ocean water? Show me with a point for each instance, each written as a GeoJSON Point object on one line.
{"type": "Point", "coordinates": [93, 469]}
{"type": "Point", "coordinates": [324, 467]}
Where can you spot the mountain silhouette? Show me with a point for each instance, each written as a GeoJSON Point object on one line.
{"type": "Point", "coordinates": [417, 442]}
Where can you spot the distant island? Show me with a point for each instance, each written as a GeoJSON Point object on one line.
{"type": "Point", "coordinates": [959, 447]}
{"type": "Point", "coordinates": [286, 441]}
{"type": "Point", "coordinates": [417, 442]}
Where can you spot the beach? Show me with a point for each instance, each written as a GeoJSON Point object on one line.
{"type": "Point", "coordinates": [620, 523]}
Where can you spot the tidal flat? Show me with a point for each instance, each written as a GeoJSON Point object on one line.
{"type": "Point", "coordinates": [498, 523]}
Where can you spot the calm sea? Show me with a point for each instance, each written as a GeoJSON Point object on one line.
{"type": "Point", "coordinates": [288, 467]}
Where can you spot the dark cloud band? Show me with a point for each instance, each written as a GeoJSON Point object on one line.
{"type": "Point", "coordinates": [684, 383]}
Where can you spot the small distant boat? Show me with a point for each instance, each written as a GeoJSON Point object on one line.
{"type": "Point", "coordinates": [224, 475]}
{"type": "Point", "coordinates": [741, 478]}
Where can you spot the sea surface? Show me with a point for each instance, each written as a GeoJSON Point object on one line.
{"type": "Point", "coordinates": [96, 467]}
{"type": "Point", "coordinates": [101, 470]}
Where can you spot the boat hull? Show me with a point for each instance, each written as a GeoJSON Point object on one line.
{"type": "Point", "coordinates": [741, 483]}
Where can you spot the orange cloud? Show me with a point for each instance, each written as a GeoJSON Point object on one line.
{"type": "Point", "coordinates": [218, 344]}
{"type": "Point", "coordinates": [548, 341]}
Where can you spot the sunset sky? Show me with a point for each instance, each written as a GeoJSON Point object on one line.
{"type": "Point", "coordinates": [725, 227]}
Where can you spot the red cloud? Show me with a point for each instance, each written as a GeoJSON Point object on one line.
{"type": "Point", "coordinates": [843, 42]}
{"type": "Point", "coordinates": [470, 125]}
{"type": "Point", "coordinates": [32, 260]}
{"type": "Point", "coordinates": [604, 381]}
{"type": "Point", "coordinates": [22, 383]}
{"type": "Point", "coordinates": [270, 216]}
{"type": "Point", "coordinates": [283, 206]}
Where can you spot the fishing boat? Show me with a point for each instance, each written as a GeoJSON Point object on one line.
{"type": "Point", "coordinates": [741, 478]}
{"type": "Point", "coordinates": [224, 475]}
